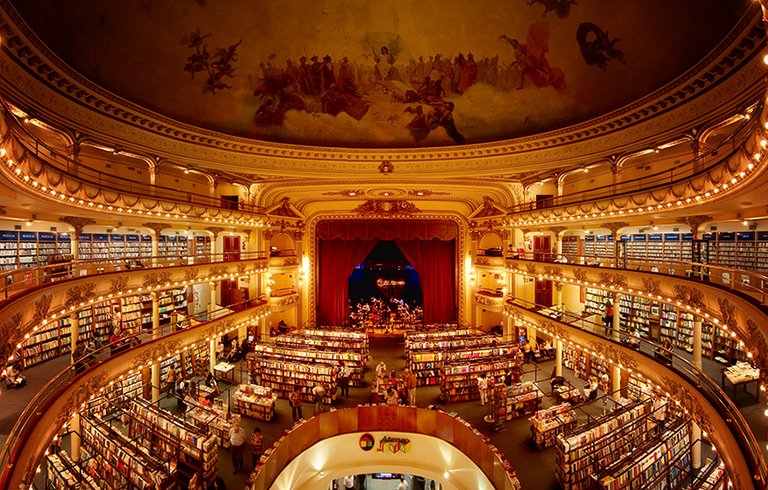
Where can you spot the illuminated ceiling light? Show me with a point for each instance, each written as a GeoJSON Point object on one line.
{"type": "Point", "coordinates": [765, 59]}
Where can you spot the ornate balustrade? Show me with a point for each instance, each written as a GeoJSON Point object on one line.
{"type": "Point", "coordinates": [67, 393]}
{"type": "Point", "coordinates": [27, 312]}
{"type": "Point", "coordinates": [697, 396]}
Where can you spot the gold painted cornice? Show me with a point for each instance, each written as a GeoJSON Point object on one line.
{"type": "Point", "coordinates": [32, 73]}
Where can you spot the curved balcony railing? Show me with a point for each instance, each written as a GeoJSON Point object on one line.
{"type": "Point", "coordinates": [63, 395]}
{"type": "Point", "coordinates": [373, 419]}
{"type": "Point", "coordinates": [695, 377]}
{"type": "Point", "coordinates": [18, 280]}
{"type": "Point", "coordinates": [697, 166]}
{"type": "Point", "coordinates": [65, 163]}
{"type": "Point", "coordinates": [722, 176]}
{"type": "Point", "coordinates": [749, 282]}
{"type": "Point", "coordinates": [38, 173]}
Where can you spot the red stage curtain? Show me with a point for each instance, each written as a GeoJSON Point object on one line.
{"type": "Point", "coordinates": [337, 260]}
{"type": "Point", "coordinates": [434, 260]}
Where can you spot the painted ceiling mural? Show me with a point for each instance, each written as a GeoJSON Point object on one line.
{"type": "Point", "coordinates": [382, 73]}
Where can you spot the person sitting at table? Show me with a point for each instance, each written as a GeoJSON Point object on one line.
{"type": "Point", "coordinates": [590, 390]}
{"type": "Point", "coordinates": [13, 376]}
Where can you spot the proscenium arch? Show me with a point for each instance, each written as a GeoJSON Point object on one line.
{"type": "Point", "coordinates": [317, 466]}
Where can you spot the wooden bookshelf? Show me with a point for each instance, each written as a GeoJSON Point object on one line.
{"type": "Point", "coordinates": [254, 401]}
{"type": "Point", "coordinates": [546, 424]}
{"type": "Point", "coordinates": [353, 359]}
{"type": "Point", "coordinates": [517, 400]}
{"type": "Point", "coordinates": [64, 474]}
{"type": "Point", "coordinates": [663, 462]}
{"type": "Point", "coordinates": [581, 453]}
{"type": "Point", "coordinates": [459, 379]}
{"type": "Point", "coordinates": [283, 376]}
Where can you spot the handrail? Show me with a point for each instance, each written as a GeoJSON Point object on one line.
{"type": "Point", "coordinates": [112, 182]}
{"type": "Point", "coordinates": [709, 387]}
{"type": "Point", "coordinates": [718, 274]}
{"type": "Point", "coordinates": [654, 180]}
{"type": "Point", "coordinates": [57, 386]}
{"type": "Point", "coordinates": [18, 280]}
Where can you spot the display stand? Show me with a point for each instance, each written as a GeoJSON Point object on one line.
{"type": "Point", "coordinates": [283, 376]}
{"type": "Point", "coordinates": [517, 400]}
{"type": "Point", "coordinates": [354, 360]}
{"type": "Point", "coordinates": [254, 401]}
{"type": "Point", "coordinates": [548, 423]}
{"type": "Point", "coordinates": [741, 374]}
{"type": "Point", "coordinates": [214, 419]}
{"type": "Point", "coordinates": [459, 380]}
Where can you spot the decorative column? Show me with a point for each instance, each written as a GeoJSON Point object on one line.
{"type": "Point", "coordinates": [696, 149]}
{"type": "Point", "coordinates": [212, 361]}
{"type": "Point", "coordinates": [615, 328]}
{"type": "Point", "coordinates": [696, 361]}
{"type": "Point", "coordinates": [212, 304]}
{"type": "Point", "coordinates": [215, 232]}
{"type": "Point", "coordinates": [557, 230]}
{"type": "Point", "coordinates": [559, 299]}
{"type": "Point", "coordinates": [614, 228]}
{"type": "Point", "coordinates": [74, 334]}
{"type": "Point", "coordinates": [156, 229]}
{"type": "Point", "coordinates": [614, 173]}
{"type": "Point", "coordinates": [558, 357]}
{"type": "Point", "coordinates": [616, 381]}
{"type": "Point", "coordinates": [155, 334]}
{"type": "Point", "coordinates": [78, 224]}
{"type": "Point", "coordinates": [74, 437]}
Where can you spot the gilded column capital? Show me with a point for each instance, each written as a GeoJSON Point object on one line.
{"type": "Point", "coordinates": [155, 227]}
{"type": "Point", "coordinates": [77, 222]}
{"type": "Point", "coordinates": [694, 222]}
{"type": "Point", "coordinates": [215, 231]}
{"type": "Point", "coordinates": [614, 227]}
{"type": "Point", "coordinates": [557, 229]}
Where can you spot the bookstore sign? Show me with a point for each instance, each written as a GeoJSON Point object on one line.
{"type": "Point", "coordinates": [386, 444]}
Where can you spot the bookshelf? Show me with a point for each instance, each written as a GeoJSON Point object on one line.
{"type": "Point", "coordinates": [546, 424]}
{"type": "Point", "coordinates": [635, 314]}
{"type": "Point", "coordinates": [339, 340]}
{"type": "Point", "coordinates": [64, 474]}
{"type": "Point", "coordinates": [116, 461]}
{"type": "Point", "coordinates": [21, 249]}
{"type": "Point", "coordinates": [53, 341]}
{"type": "Point", "coordinates": [668, 323]}
{"type": "Point", "coordinates": [598, 444]}
{"type": "Point", "coordinates": [712, 476]}
{"type": "Point", "coordinates": [658, 463]}
{"type": "Point", "coordinates": [595, 300]}
{"type": "Point", "coordinates": [168, 437]}
{"type": "Point", "coordinates": [585, 365]}
{"type": "Point", "coordinates": [354, 360]}
{"type": "Point", "coordinates": [215, 419]}
{"type": "Point", "coordinates": [202, 246]}
{"type": "Point", "coordinates": [571, 249]}
{"type": "Point", "coordinates": [426, 358]}
{"type": "Point", "coordinates": [517, 400]}
{"type": "Point", "coordinates": [282, 376]}
{"type": "Point", "coordinates": [459, 380]}
{"type": "Point", "coordinates": [254, 401]}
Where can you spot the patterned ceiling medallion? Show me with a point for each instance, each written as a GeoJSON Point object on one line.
{"type": "Point", "coordinates": [349, 193]}
{"type": "Point", "coordinates": [425, 193]}
{"type": "Point", "coordinates": [386, 167]}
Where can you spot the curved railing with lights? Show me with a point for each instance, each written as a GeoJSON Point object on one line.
{"type": "Point", "coordinates": [720, 177]}
{"type": "Point", "coordinates": [697, 394]}
{"type": "Point", "coordinates": [365, 419]}
{"type": "Point", "coordinates": [18, 280]}
{"type": "Point", "coordinates": [66, 393]}
{"type": "Point", "coordinates": [39, 173]}
{"type": "Point", "coordinates": [736, 313]}
{"type": "Point", "coordinates": [27, 312]}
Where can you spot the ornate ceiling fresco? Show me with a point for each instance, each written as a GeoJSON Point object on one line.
{"type": "Point", "coordinates": [383, 74]}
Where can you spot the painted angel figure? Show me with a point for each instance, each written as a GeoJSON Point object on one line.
{"type": "Point", "coordinates": [531, 59]}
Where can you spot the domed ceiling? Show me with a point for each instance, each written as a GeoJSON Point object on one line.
{"type": "Point", "coordinates": [385, 74]}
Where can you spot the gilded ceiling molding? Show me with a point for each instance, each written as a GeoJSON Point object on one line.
{"type": "Point", "coordinates": [84, 102]}
{"type": "Point", "coordinates": [80, 293]}
{"type": "Point", "coordinates": [118, 284]}
{"type": "Point", "coordinates": [386, 208]}
{"type": "Point", "coordinates": [156, 279]}
{"type": "Point", "coordinates": [78, 223]}
{"type": "Point", "coordinates": [557, 230]}
{"type": "Point", "coordinates": [42, 306]}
